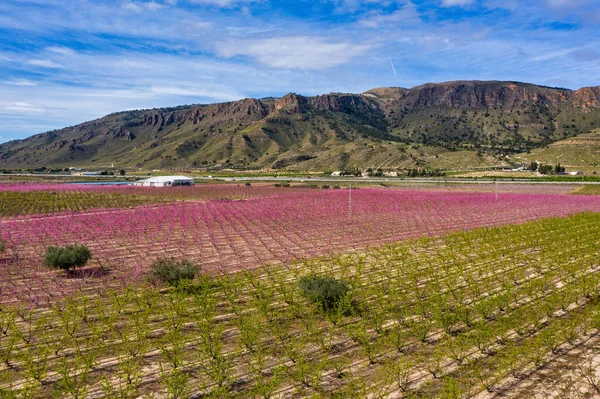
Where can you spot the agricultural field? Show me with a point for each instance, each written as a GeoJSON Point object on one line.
{"type": "Point", "coordinates": [588, 190]}
{"type": "Point", "coordinates": [33, 198]}
{"type": "Point", "coordinates": [333, 293]}
{"type": "Point", "coordinates": [487, 187]}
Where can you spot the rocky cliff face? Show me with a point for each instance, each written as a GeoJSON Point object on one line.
{"type": "Point", "coordinates": [587, 98]}
{"type": "Point", "coordinates": [472, 95]}
{"type": "Point", "coordinates": [343, 103]}
{"type": "Point", "coordinates": [292, 104]}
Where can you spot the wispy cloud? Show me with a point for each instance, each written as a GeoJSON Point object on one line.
{"type": "Point", "coordinates": [224, 3]}
{"type": "Point", "coordinates": [45, 64]}
{"type": "Point", "coordinates": [585, 55]}
{"type": "Point", "coordinates": [555, 54]}
{"type": "Point", "coordinates": [140, 6]}
{"type": "Point", "coordinates": [454, 3]}
{"type": "Point", "coordinates": [297, 52]}
{"type": "Point", "coordinates": [60, 50]}
{"type": "Point", "coordinates": [22, 108]}
{"type": "Point", "coordinates": [19, 82]}
{"type": "Point", "coordinates": [407, 14]}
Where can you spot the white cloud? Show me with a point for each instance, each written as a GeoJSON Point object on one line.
{"type": "Point", "coordinates": [297, 52]}
{"type": "Point", "coordinates": [408, 14]}
{"type": "Point", "coordinates": [60, 50]}
{"type": "Point", "coordinates": [459, 3]}
{"type": "Point", "coordinates": [45, 64]}
{"type": "Point", "coordinates": [223, 3]}
{"type": "Point", "coordinates": [555, 54]}
{"type": "Point", "coordinates": [510, 5]}
{"type": "Point", "coordinates": [21, 107]}
{"type": "Point", "coordinates": [19, 82]}
{"type": "Point", "coordinates": [84, 17]}
{"type": "Point", "coordinates": [354, 5]}
{"type": "Point", "coordinates": [140, 6]}
{"type": "Point", "coordinates": [562, 3]}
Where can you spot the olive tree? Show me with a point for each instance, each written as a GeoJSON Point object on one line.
{"type": "Point", "coordinates": [67, 258]}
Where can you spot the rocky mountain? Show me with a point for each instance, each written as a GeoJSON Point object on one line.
{"type": "Point", "coordinates": [384, 127]}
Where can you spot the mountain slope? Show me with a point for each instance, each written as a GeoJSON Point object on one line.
{"type": "Point", "coordinates": [324, 132]}
{"type": "Point", "coordinates": [578, 153]}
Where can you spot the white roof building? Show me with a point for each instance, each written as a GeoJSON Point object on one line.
{"type": "Point", "coordinates": [165, 181]}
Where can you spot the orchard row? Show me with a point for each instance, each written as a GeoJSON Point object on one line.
{"type": "Point", "coordinates": [228, 236]}
{"type": "Point", "coordinates": [444, 317]}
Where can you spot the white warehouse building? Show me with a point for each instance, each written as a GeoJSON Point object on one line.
{"type": "Point", "coordinates": [165, 181]}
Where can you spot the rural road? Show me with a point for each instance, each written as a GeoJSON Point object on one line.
{"type": "Point", "coordinates": [433, 180]}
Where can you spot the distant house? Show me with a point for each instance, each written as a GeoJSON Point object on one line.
{"type": "Point", "coordinates": [336, 173]}
{"type": "Point", "coordinates": [85, 173]}
{"type": "Point", "coordinates": [165, 181]}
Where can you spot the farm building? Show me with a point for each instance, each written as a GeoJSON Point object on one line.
{"type": "Point", "coordinates": [86, 173]}
{"type": "Point", "coordinates": [165, 181]}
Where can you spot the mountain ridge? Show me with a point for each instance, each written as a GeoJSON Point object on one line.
{"type": "Point", "coordinates": [328, 131]}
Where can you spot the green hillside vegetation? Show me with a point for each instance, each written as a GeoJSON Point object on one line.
{"type": "Point", "coordinates": [450, 125]}
{"type": "Point", "coordinates": [579, 153]}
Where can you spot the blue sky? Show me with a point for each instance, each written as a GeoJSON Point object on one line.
{"type": "Point", "coordinates": [63, 62]}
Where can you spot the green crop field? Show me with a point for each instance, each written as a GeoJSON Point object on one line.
{"type": "Point", "coordinates": [445, 317]}
{"type": "Point", "coordinates": [33, 199]}
{"type": "Point", "coordinates": [36, 202]}
{"type": "Point", "coordinates": [588, 190]}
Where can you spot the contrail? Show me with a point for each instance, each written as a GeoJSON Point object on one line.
{"type": "Point", "coordinates": [393, 69]}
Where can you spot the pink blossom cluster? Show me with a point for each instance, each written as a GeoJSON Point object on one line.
{"type": "Point", "coordinates": [230, 235]}
{"type": "Point", "coordinates": [489, 187]}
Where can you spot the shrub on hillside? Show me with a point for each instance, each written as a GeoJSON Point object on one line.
{"type": "Point", "coordinates": [2, 246]}
{"type": "Point", "coordinates": [545, 169]}
{"type": "Point", "coordinates": [67, 258]}
{"type": "Point", "coordinates": [172, 272]}
{"type": "Point", "coordinates": [325, 291]}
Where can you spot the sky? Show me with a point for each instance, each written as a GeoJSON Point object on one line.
{"type": "Point", "coordinates": [63, 62]}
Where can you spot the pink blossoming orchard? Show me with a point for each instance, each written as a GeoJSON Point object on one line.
{"type": "Point", "coordinates": [448, 293]}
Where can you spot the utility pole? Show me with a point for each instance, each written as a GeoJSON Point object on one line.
{"type": "Point", "coordinates": [496, 186]}
{"type": "Point", "coordinates": [350, 204]}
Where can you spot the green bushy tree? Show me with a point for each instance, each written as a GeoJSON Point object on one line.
{"type": "Point", "coordinates": [326, 291]}
{"type": "Point", "coordinates": [67, 258]}
{"type": "Point", "coordinates": [545, 169]}
{"type": "Point", "coordinates": [533, 166]}
{"type": "Point", "coordinates": [172, 272]}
